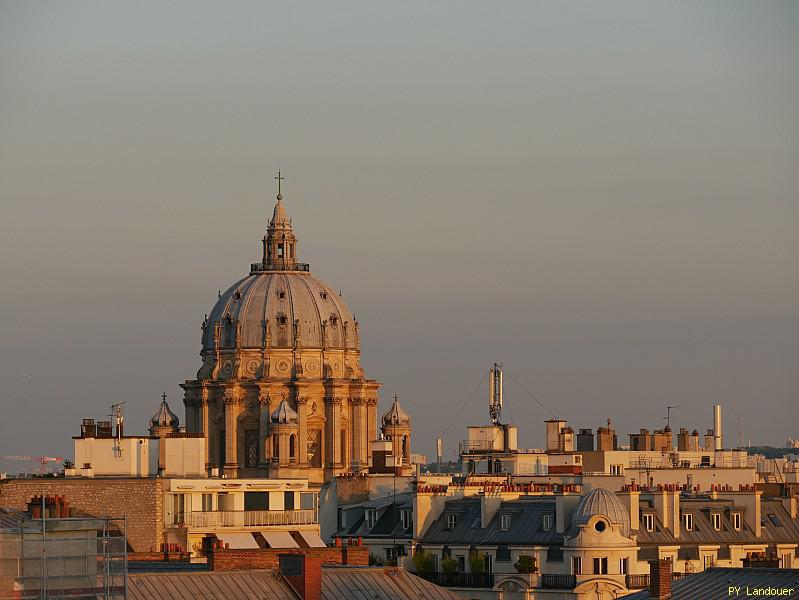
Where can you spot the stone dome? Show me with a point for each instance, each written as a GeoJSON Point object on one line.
{"type": "Point", "coordinates": [285, 414]}
{"type": "Point", "coordinates": [602, 502]}
{"type": "Point", "coordinates": [396, 416]}
{"type": "Point", "coordinates": [280, 300]}
{"type": "Point", "coordinates": [164, 419]}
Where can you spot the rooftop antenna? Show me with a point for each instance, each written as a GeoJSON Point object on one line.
{"type": "Point", "coordinates": [495, 393]}
{"type": "Point", "coordinates": [668, 414]}
{"type": "Point", "coordinates": [118, 414]}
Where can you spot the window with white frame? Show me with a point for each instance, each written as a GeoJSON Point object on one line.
{"type": "Point", "coordinates": [648, 520]}
{"type": "Point", "coordinates": [617, 469]}
{"type": "Point", "coordinates": [709, 560]}
{"type": "Point", "coordinates": [623, 565]}
{"type": "Point", "coordinates": [208, 502]}
{"type": "Point", "coordinates": [547, 520]}
{"type": "Point", "coordinates": [601, 565]}
{"type": "Point", "coordinates": [736, 521]}
{"type": "Point", "coordinates": [716, 520]}
{"type": "Point", "coordinates": [688, 521]}
{"type": "Point", "coordinates": [452, 520]}
{"type": "Point", "coordinates": [577, 565]}
{"type": "Point", "coordinates": [371, 517]}
{"type": "Point", "coordinates": [405, 518]}
{"type": "Point", "coordinates": [504, 522]}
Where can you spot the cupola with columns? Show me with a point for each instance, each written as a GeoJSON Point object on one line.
{"type": "Point", "coordinates": [280, 335]}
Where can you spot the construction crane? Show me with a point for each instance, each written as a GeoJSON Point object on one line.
{"type": "Point", "coordinates": [42, 460]}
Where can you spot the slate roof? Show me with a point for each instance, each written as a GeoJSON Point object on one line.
{"type": "Point", "coordinates": [388, 523]}
{"type": "Point", "coordinates": [704, 533]}
{"type": "Point", "coordinates": [526, 526]}
{"type": "Point", "coordinates": [714, 583]}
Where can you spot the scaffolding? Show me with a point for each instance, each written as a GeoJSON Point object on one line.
{"type": "Point", "coordinates": [53, 558]}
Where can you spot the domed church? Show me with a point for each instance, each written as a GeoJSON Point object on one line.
{"type": "Point", "coordinates": [281, 391]}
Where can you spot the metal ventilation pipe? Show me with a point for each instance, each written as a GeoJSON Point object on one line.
{"type": "Point", "coordinates": [717, 439]}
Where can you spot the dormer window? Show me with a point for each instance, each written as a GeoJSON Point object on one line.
{"type": "Point", "coordinates": [504, 522]}
{"type": "Point", "coordinates": [282, 319]}
{"type": "Point", "coordinates": [716, 520]}
{"type": "Point", "coordinates": [281, 294]}
{"type": "Point", "coordinates": [547, 521]}
{"type": "Point", "coordinates": [648, 520]}
{"type": "Point", "coordinates": [688, 521]}
{"type": "Point", "coordinates": [371, 517]}
{"type": "Point", "coordinates": [736, 521]}
{"type": "Point", "coordinates": [405, 518]}
{"type": "Point", "coordinates": [452, 520]}
{"type": "Point", "coordinates": [323, 295]}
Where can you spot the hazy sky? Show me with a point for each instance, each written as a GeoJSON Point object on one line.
{"type": "Point", "coordinates": [602, 195]}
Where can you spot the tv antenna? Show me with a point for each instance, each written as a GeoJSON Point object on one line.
{"type": "Point", "coordinates": [668, 414]}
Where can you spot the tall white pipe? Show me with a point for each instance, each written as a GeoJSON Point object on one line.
{"type": "Point", "coordinates": [718, 441]}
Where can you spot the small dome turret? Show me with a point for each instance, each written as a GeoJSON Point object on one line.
{"type": "Point", "coordinates": [164, 421]}
{"type": "Point", "coordinates": [396, 416]}
{"type": "Point", "coordinates": [285, 414]}
{"type": "Point", "coordinates": [602, 502]}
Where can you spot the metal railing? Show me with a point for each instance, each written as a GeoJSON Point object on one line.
{"type": "Point", "coordinates": [250, 518]}
{"type": "Point", "coordinates": [640, 582]}
{"type": "Point", "coordinates": [260, 267]}
{"type": "Point", "coordinates": [558, 582]}
{"type": "Point", "coordinates": [465, 580]}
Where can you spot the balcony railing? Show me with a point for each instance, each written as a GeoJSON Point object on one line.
{"type": "Point", "coordinates": [641, 582]}
{"type": "Point", "coordinates": [294, 266]}
{"type": "Point", "coordinates": [464, 580]}
{"type": "Point", "coordinates": [251, 518]}
{"type": "Point", "coordinates": [558, 582]}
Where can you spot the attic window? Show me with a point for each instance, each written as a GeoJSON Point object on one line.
{"type": "Point", "coordinates": [504, 522]}
{"type": "Point", "coordinates": [775, 520]}
{"type": "Point", "coordinates": [405, 518]}
{"type": "Point", "coordinates": [648, 521]}
{"type": "Point", "coordinates": [716, 518]}
{"type": "Point", "coordinates": [371, 517]}
{"type": "Point", "coordinates": [546, 521]}
{"type": "Point", "coordinates": [736, 521]}
{"type": "Point", "coordinates": [688, 521]}
{"type": "Point", "coordinates": [452, 520]}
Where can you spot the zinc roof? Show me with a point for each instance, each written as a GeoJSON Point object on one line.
{"type": "Point", "coordinates": [714, 584]}
{"type": "Point", "coordinates": [245, 585]}
{"type": "Point", "coordinates": [379, 583]}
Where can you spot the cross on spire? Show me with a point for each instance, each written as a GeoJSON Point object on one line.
{"type": "Point", "coordinates": [396, 397]}
{"type": "Point", "coordinates": [279, 180]}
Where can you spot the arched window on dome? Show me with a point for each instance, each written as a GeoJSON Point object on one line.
{"type": "Point", "coordinates": [292, 445]}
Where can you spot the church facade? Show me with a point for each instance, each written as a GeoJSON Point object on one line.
{"type": "Point", "coordinates": [281, 392]}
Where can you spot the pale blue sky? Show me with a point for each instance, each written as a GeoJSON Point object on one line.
{"type": "Point", "coordinates": [603, 195]}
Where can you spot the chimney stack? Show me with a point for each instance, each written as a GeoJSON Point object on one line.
{"type": "Point", "coordinates": [717, 439]}
{"type": "Point", "coordinates": [304, 574]}
{"type": "Point", "coordinates": [660, 579]}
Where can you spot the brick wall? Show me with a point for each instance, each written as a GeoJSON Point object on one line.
{"type": "Point", "coordinates": [138, 499]}
{"type": "Point", "coordinates": [237, 560]}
